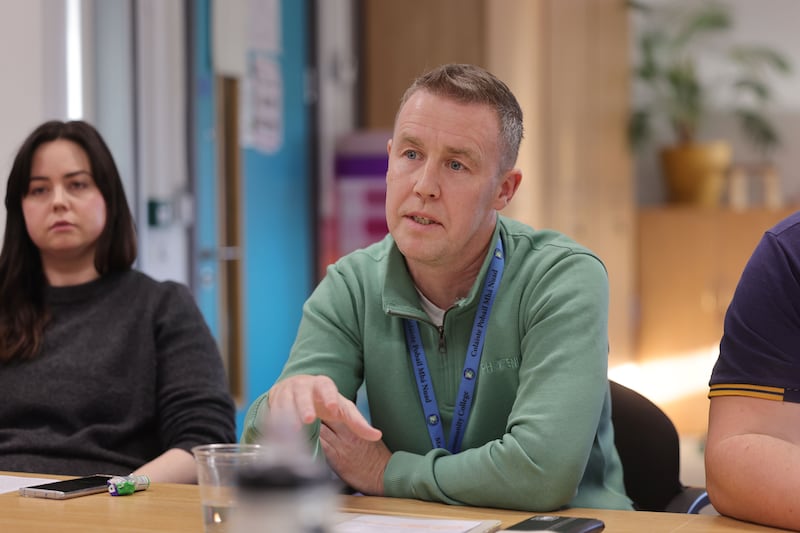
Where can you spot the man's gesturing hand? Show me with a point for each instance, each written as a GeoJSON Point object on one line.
{"type": "Point", "coordinates": [360, 463]}
{"type": "Point", "coordinates": [305, 398]}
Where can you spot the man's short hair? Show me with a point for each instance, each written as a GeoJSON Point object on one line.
{"type": "Point", "coordinates": [471, 84]}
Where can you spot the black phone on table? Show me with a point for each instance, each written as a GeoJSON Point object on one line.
{"type": "Point", "coordinates": [558, 524]}
{"type": "Point", "coordinates": [68, 488]}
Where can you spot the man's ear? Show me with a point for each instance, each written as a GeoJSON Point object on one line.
{"type": "Point", "coordinates": [507, 188]}
{"type": "Point", "coordinates": [389, 147]}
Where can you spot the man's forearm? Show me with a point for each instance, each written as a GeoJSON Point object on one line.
{"type": "Point", "coordinates": [755, 477]}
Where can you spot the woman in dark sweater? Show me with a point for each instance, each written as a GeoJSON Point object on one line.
{"type": "Point", "coordinates": [102, 368]}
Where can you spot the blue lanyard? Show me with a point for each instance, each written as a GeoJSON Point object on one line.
{"type": "Point", "coordinates": [466, 390]}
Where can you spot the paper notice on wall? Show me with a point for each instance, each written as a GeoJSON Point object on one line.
{"type": "Point", "coordinates": [264, 25]}
{"type": "Point", "coordinates": [262, 104]}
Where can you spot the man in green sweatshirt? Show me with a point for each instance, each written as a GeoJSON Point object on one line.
{"type": "Point", "coordinates": [482, 343]}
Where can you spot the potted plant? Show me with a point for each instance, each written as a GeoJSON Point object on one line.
{"type": "Point", "coordinates": [675, 41]}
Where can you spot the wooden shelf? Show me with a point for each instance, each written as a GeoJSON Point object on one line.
{"type": "Point", "coordinates": [689, 262]}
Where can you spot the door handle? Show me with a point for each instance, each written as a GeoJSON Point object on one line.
{"type": "Point", "coordinates": [223, 253]}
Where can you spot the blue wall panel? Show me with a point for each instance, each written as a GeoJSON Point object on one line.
{"type": "Point", "coordinates": [202, 138]}
{"type": "Point", "coordinates": [278, 222]}
{"type": "Point", "coordinates": [277, 214]}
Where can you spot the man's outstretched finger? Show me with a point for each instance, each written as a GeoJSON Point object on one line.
{"type": "Point", "coordinates": [359, 425]}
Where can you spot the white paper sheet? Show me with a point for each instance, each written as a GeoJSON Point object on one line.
{"type": "Point", "coordinates": [368, 523]}
{"type": "Point", "coordinates": [13, 483]}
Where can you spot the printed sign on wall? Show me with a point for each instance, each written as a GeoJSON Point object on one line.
{"type": "Point", "coordinates": [262, 104]}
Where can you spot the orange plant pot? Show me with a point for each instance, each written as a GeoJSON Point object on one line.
{"type": "Point", "coordinates": [695, 173]}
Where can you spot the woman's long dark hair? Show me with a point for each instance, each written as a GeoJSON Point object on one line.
{"type": "Point", "coordinates": [23, 314]}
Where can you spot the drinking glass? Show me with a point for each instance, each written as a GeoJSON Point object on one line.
{"type": "Point", "coordinates": [218, 466]}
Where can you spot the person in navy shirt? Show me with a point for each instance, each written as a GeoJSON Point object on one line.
{"type": "Point", "coordinates": [753, 449]}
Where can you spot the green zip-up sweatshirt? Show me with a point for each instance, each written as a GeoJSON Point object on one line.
{"type": "Point", "coordinates": [539, 436]}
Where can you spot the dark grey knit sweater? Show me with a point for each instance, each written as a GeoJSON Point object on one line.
{"type": "Point", "coordinates": [128, 370]}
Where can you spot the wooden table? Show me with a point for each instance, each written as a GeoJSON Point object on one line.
{"type": "Point", "coordinates": [616, 521]}
{"type": "Point", "coordinates": [164, 507]}
{"type": "Point", "coordinates": [176, 508]}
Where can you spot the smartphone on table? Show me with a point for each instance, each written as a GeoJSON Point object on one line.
{"type": "Point", "coordinates": [558, 524]}
{"type": "Point", "coordinates": [68, 488]}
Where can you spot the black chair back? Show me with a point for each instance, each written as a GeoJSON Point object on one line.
{"type": "Point", "coordinates": [649, 448]}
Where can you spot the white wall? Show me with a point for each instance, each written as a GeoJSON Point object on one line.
{"type": "Point", "coordinates": [161, 137]}
{"type": "Point", "coordinates": [22, 61]}
{"type": "Point", "coordinates": [114, 89]}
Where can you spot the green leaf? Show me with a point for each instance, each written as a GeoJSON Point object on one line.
{"type": "Point", "coordinates": [639, 128]}
{"type": "Point", "coordinates": [761, 57]}
{"type": "Point", "coordinates": [687, 97]}
{"type": "Point", "coordinates": [648, 70]}
{"type": "Point", "coordinates": [758, 130]}
{"type": "Point", "coordinates": [757, 88]}
{"type": "Point", "coordinates": [639, 6]}
{"type": "Point", "coordinates": [707, 19]}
